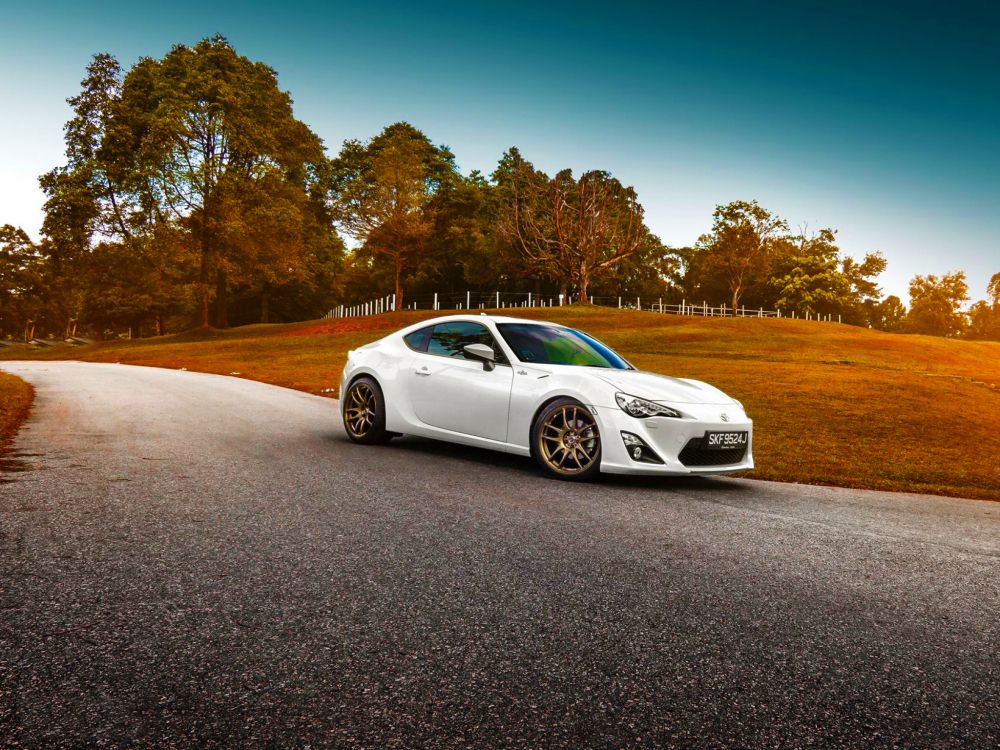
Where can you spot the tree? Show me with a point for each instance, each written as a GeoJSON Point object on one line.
{"type": "Point", "coordinates": [993, 289]}
{"type": "Point", "coordinates": [984, 315]}
{"type": "Point", "coordinates": [205, 141]}
{"type": "Point", "coordinates": [810, 276]}
{"type": "Point", "coordinates": [809, 280]}
{"type": "Point", "coordinates": [739, 246]}
{"type": "Point", "coordinates": [935, 304]}
{"type": "Point", "coordinates": [888, 314]}
{"type": "Point", "coordinates": [383, 193]}
{"type": "Point", "coordinates": [20, 280]}
{"type": "Point", "coordinates": [572, 230]}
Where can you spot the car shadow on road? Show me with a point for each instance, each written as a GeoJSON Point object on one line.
{"type": "Point", "coordinates": [525, 466]}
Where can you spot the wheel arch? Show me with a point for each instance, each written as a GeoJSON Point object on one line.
{"type": "Point", "coordinates": [362, 373]}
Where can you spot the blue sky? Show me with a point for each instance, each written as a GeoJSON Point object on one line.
{"type": "Point", "coordinates": [880, 120]}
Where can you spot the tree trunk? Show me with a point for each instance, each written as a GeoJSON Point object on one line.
{"type": "Point", "coordinates": [265, 306]}
{"type": "Point", "coordinates": [221, 300]}
{"type": "Point", "coordinates": [203, 291]}
{"type": "Point", "coordinates": [583, 285]}
{"type": "Point", "coordinates": [399, 282]}
{"type": "Point", "coordinates": [564, 291]}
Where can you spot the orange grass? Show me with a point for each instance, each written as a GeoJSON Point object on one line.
{"type": "Point", "coordinates": [832, 404]}
{"type": "Point", "coordinates": [15, 403]}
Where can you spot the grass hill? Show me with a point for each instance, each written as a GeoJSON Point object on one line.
{"type": "Point", "coordinates": [832, 404]}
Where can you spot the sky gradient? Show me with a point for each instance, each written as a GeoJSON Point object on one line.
{"type": "Point", "coordinates": [881, 122]}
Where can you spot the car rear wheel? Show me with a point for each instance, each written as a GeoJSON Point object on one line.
{"type": "Point", "coordinates": [566, 441]}
{"type": "Point", "coordinates": [364, 413]}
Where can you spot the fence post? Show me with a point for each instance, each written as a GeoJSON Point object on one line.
{"type": "Point", "coordinates": [560, 300]}
{"type": "Point", "coordinates": [638, 303]}
{"type": "Point", "coordinates": [436, 301]}
{"type": "Point", "coordinates": [661, 305]}
{"type": "Point", "coordinates": [498, 300]}
{"type": "Point", "coordinates": [468, 300]}
{"type": "Point", "coordinates": [529, 299]}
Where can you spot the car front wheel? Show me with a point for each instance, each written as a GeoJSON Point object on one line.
{"type": "Point", "coordinates": [566, 441]}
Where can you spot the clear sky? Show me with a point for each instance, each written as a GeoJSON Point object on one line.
{"type": "Point", "coordinates": [879, 120]}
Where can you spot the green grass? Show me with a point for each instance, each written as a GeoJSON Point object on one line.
{"type": "Point", "coordinates": [15, 403]}
{"type": "Point", "coordinates": [832, 404]}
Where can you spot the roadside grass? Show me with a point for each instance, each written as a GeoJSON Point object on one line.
{"type": "Point", "coordinates": [832, 404]}
{"type": "Point", "coordinates": [15, 403]}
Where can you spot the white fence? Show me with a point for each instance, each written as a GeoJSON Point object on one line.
{"type": "Point", "coordinates": [509, 300]}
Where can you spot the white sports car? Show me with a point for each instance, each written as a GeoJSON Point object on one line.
{"type": "Point", "coordinates": [542, 390]}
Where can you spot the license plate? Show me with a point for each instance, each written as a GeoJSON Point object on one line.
{"type": "Point", "coordinates": [720, 441]}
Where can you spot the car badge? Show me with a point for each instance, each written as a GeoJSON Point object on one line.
{"type": "Point", "coordinates": [724, 417]}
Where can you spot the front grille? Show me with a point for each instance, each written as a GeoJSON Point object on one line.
{"type": "Point", "coordinates": [695, 455]}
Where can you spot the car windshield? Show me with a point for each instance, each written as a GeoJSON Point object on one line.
{"type": "Point", "coordinates": [552, 345]}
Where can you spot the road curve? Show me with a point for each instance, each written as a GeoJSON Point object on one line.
{"type": "Point", "coordinates": [197, 560]}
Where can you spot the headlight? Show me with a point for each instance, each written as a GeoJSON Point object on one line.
{"type": "Point", "coordinates": [641, 408]}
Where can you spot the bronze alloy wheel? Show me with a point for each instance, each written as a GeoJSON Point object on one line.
{"type": "Point", "coordinates": [364, 412]}
{"type": "Point", "coordinates": [568, 442]}
{"type": "Point", "coordinates": [359, 412]}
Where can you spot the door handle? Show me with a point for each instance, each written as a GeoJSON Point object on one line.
{"type": "Point", "coordinates": [422, 372]}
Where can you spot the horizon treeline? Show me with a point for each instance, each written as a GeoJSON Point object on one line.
{"type": "Point", "coordinates": [191, 195]}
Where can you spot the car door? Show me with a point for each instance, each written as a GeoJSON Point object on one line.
{"type": "Point", "coordinates": [451, 392]}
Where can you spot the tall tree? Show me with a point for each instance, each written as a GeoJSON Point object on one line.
{"type": "Point", "coordinates": [20, 280]}
{"type": "Point", "coordinates": [810, 276]}
{"type": "Point", "coordinates": [935, 304]}
{"type": "Point", "coordinates": [739, 246]}
{"type": "Point", "coordinates": [206, 140]}
{"type": "Point", "coordinates": [570, 229]}
{"type": "Point", "coordinates": [984, 315]}
{"type": "Point", "coordinates": [383, 192]}
{"type": "Point", "coordinates": [888, 315]}
{"type": "Point", "coordinates": [993, 289]}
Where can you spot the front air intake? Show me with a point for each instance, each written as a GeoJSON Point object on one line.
{"type": "Point", "coordinates": [696, 454]}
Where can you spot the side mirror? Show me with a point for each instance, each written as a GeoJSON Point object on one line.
{"type": "Point", "coordinates": [482, 353]}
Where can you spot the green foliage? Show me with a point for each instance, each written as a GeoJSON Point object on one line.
{"type": "Point", "coordinates": [888, 314]}
{"type": "Point", "coordinates": [21, 281]}
{"type": "Point", "coordinates": [993, 288]}
{"type": "Point", "coordinates": [385, 193]}
{"type": "Point", "coordinates": [740, 247]}
{"type": "Point", "coordinates": [811, 277]}
{"type": "Point", "coordinates": [984, 315]}
{"type": "Point", "coordinates": [935, 304]}
{"type": "Point", "coordinates": [185, 169]}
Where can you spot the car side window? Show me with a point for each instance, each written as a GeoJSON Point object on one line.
{"type": "Point", "coordinates": [449, 339]}
{"type": "Point", "coordinates": [418, 340]}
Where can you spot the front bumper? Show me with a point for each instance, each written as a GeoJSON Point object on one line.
{"type": "Point", "coordinates": [668, 436]}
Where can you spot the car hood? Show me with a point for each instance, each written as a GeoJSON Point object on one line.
{"type": "Point", "coordinates": [655, 387]}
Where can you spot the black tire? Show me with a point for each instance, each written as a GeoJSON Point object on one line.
{"type": "Point", "coordinates": [566, 441]}
{"type": "Point", "coordinates": [363, 411]}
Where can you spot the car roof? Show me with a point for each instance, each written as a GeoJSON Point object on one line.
{"type": "Point", "coordinates": [479, 318]}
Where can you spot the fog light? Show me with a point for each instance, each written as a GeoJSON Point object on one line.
{"type": "Point", "coordinates": [638, 449]}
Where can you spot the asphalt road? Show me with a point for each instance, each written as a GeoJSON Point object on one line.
{"type": "Point", "coordinates": [195, 560]}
